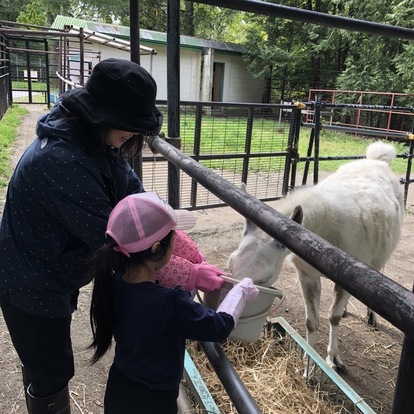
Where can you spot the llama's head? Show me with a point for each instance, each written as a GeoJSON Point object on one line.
{"type": "Point", "coordinates": [258, 256]}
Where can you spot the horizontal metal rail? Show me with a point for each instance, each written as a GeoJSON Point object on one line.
{"type": "Point", "coordinates": [358, 402]}
{"type": "Point", "coordinates": [198, 386]}
{"type": "Point", "coordinates": [231, 381]}
{"type": "Point", "coordinates": [362, 131]}
{"type": "Point", "coordinates": [324, 19]}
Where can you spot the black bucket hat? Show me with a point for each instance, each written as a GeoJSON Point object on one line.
{"type": "Point", "coordinates": [119, 94]}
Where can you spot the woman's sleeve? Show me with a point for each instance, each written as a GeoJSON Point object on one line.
{"type": "Point", "coordinates": [177, 272]}
{"type": "Point", "coordinates": [185, 247]}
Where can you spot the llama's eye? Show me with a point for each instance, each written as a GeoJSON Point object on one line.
{"type": "Point", "coordinates": [279, 246]}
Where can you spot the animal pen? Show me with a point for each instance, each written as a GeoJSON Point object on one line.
{"type": "Point", "coordinates": [387, 298]}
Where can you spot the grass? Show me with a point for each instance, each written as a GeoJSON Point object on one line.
{"type": "Point", "coordinates": [24, 86]}
{"type": "Point", "coordinates": [334, 144]}
{"type": "Point", "coordinates": [8, 132]}
{"type": "Point", "coordinates": [227, 136]}
{"type": "Point", "coordinates": [39, 91]}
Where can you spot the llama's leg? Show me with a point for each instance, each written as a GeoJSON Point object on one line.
{"type": "Point", "coordinates": [371, 318]}
{"type": "Point", "coordinates": [311, 292]}
{"type": "Point", "coordinates": [339, 302]}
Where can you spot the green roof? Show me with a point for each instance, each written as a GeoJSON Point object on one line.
{"type": "Point", "coordinates": [148, 36]}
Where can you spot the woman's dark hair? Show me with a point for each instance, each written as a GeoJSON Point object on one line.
{"type": "Point", "coordinates": [93, 138]}
{"type": "Point", "coordinates": [105, 267]}
{"type": "Point", "coordinates": [96, 143]}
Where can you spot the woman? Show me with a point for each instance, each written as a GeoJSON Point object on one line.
{"type": "Point", "coordinates": [150, 323]}
{"type": "Point", "coordinates": [58, 203]}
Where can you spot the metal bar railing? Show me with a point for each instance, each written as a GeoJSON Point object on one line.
{"type": "Point", "coordinates": [228, 376]}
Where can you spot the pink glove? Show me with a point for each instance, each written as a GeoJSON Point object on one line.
{"type": "Point", "coordinates": [206, 277]}
{"type": "Point", "coordinates": [184, 246]}
{"type": "Point", "coordinates": [235, 301]}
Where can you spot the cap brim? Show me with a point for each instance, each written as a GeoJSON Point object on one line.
{"type": "Point", "coordinates": [185, 219]}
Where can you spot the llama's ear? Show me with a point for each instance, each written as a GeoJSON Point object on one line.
{"type": "Point", "coordinates": [297, 214]}
{"type": "Point", "coordinates": [249, 227]}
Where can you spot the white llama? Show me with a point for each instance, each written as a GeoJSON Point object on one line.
{"type": "Point", "coordinates": [359, 209]}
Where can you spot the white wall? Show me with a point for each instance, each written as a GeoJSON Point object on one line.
{"type": "Point", "coordinates": [239, 85]}
{"type": "Point", "coordinates": [189, 73]}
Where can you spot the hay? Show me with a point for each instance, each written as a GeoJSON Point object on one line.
{"type": "Point", "coordinates": [272, 372]}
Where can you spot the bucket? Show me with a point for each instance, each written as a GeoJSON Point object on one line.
{"type": "Point", "coordinates": [250, 325]}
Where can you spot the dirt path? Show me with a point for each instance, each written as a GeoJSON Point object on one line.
{"type": "Point", "coordinates": [372, 356]}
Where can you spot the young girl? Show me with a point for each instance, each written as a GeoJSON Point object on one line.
{"type": "Point", "coordinates": [150, 323]}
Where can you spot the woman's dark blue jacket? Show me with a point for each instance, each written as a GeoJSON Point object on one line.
{"type": "Point", "coordinates": [58, 203]}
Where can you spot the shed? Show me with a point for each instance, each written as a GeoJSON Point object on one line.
{"type": "Point", "coordinates": [209, 70]}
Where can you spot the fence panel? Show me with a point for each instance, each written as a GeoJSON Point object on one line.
{"type": "Point", "coordinates": [240, 142]}
{"type": "Point", "coordinates": [5, 95]}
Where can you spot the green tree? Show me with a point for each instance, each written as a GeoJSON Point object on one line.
{"type": "Point", "coordinates": [370, 63]}
{"type": "Point", "coordinates": [291, 55]}
{"type": "Point", "coordinates": [10, 9]}
{"type": "Point", "coordinates": [402, 15]}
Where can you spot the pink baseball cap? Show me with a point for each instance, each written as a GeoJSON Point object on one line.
{"type": "Point", "coordinates": [140, 220]}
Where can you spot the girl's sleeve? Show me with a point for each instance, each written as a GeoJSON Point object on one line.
{"type": "Point", "coordinates": [192, 320]}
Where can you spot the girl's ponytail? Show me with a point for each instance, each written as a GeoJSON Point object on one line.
{"type": "Point", "coordinates": [102, 311]}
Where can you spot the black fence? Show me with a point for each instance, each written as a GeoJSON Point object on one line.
{"type": "Point", "coordinates": [5, 82]}
{"type": "Point", "coordinates": [258, 144]}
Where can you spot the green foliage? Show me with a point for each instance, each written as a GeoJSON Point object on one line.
{"type": "Point", "coordinates": [10, 9]}
{"type": "Point", "coordinates": [217, 23]}
{"type": "Point", "coordinates": [22, 85]}
{"type": "Point", "coordinates": [34, 13]}
{"type": "Point", "coordinates": [8, 131]}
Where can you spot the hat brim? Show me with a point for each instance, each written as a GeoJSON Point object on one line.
{"type": "Point", "coordinates": [91, 110]}
{"type": "Point", "coordinates": [185, 219]}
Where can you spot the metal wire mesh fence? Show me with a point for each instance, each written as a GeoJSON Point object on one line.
{"type": "Point", "coordinates": [241, 143]}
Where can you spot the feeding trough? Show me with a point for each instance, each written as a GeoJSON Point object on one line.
{"type": "Point", "coordinates": [253, 317]}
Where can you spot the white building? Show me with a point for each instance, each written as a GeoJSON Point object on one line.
{"type": "Point", "coordinates": [209, 70]}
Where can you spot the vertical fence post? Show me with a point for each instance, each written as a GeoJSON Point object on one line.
{"type": "Point", "coordinates": [47, 74]}
{"type": "Point", "coordinates": [403, 402]}
{"type": "Point", "coordinates": [173, 96]}
{"type": "Point", "coordinates": [247, 145]}
{"type": "Point", "coordinates": [308, 155]}
{"type": "Point", "coordinates": [135, 53]}
{"type": "Point", "coordinates": [317, 127]}
{"type": "Point", "coordinates": [196, 150]}
{"type": "Point", "coordinates": [408, 180]}
{"type": "Point", "coordinates": [292, 150]}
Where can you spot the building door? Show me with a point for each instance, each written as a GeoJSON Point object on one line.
{"type": "Point", "coordinates": [218, 77]}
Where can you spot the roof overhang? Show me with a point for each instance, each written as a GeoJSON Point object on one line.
{"type": "Point", "coordinates": [110, 41]}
